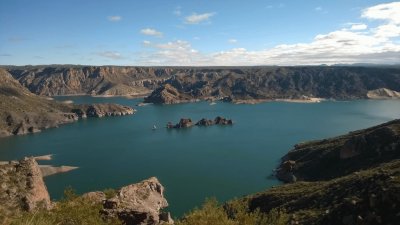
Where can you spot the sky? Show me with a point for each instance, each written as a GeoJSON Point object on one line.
{"type": "Point", "coordinates": [199, 32]}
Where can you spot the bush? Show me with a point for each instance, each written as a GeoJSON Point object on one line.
{"type": "Point", "coordinates": [71, 210]}
{"type": "Point", "coordinates": [234, 213]}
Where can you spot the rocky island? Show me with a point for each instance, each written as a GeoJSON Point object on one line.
{"type": "Point", "coordinates": [187, 122]}
{"type": "Point", "coordinates": [23, 112]}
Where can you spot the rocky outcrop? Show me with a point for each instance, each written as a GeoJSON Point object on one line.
{"type": "Point", "coordinates": [285, 171]}
{"type": "Point", "coordinates": [205, 122]}
{"type": "Point", "coordinates": [139, 204]}
{"type": "Point", "coordinates": [222, 121]}
{"type": "Point", "coordinates": [187, 122]}
{"type": "Point", "coordinates": [183, 123]}
{"type": "Point", "coordinates": [22, 112]}
{"type": "Point", "coordinates": [22, 187]}
{"type": "Point", "coordinates": [167, 94]}
{"type": "Point", "coordinates": [104, 110]}
{"type": "Point", "coordinates": [335, 157]}
{"type": "Point", "coordinates": [383, 93]}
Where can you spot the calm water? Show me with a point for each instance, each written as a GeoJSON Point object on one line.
{"type": "Point", "coordinates": [193, 163]}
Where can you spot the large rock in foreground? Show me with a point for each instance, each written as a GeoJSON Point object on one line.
{"type": "Point", "coordinates": [139, 204]}
{"type": "Point", "coordinates": [22, 187]}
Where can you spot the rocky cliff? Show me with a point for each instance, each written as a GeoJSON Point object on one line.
{"type": "Point", "coordinates": [23, 112]}
{"type": "Point", "coordinates": [339, 156]}
{"type": "Point", "coordinates": [93, 80]}
{"type": "Point", "coordinates": [22, 187]}
{"type": "Point", "coordinates": [184, 84]}
{"type": "Point", "coordinates": [271, 83]}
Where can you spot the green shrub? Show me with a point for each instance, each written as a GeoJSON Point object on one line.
{"type": "Point", "coordinates": [71, 210]}
{"type": "Point", "coordinates": [235, 213]}
{"type": "Point", "coordinates": [109, 192]}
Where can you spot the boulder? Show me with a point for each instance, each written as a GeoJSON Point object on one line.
{"type": "Point", "coordinates": [183, 123]}
{"type": "Point", "coordinates": [139, 204]}
{"type": "Point", "coordinates": [95, 197]}
{"type": "Point", "coordinates": [204, 122]}
{"type": "Point", "coordinates": [285, 171]}
{"type": "Point", "coordinates": [222, 121]}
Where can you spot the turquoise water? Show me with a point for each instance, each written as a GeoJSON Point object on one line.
{"type": "Point", "coordinates": [195, 163]}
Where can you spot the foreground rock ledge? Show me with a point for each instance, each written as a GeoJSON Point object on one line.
{"type": "Point", "coordinates": [22, 189]}
{"type": "Point", "coordinates": [139, 204]}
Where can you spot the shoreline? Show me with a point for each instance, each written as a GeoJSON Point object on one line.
{"type": "Point", "coordinates": [257, 101]}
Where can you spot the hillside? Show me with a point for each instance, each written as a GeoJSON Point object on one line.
{"type": "Point", "coordinates": [229, 83]}
{"type": "Point", "coordinates": [339, 156]}
{"type": "Point", "coordinates": [93, 80]}
{"type": "Point", "coordinates": [271, 83]}
{"type": "Point", "coordinates": [23, 112]}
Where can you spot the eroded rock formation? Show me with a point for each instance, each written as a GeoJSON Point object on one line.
{"type": "Point", "coordinates": [22, 187]}
{"type": "Point", "coordinates": [139, 204]}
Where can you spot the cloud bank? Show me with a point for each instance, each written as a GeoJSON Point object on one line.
{"type": "Point", "coordinates": [355, 43]}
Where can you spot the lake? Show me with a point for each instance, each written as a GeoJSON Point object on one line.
{"type": "Point", "coordinates": [194, 163]}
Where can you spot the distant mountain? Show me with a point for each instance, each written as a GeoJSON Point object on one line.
{"type": "Point", "coordinates": [80, 80]}
{"type": "Point", "coordinates": [185, 84]}
{"type": "Point", "coordinates": [270, 83]}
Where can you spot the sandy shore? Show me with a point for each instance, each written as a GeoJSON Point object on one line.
{"type": "Point", "coordinates": [48, 170]}
{"type": "Point", "coordinates": [307, 100]}
{"type": "Point", "coordinates": [257, 101]}
{"type": "Point", "coordinates": [44, 157]}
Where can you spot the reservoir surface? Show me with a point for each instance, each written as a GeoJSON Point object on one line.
{"type": "Point", "coordinates": [193, 163]}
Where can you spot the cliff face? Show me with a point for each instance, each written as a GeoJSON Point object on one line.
{"type": "Point", "coordinates": [22, 187]}
{"type": "Point", "coordinates": [191, 83]}
{"type": "Point", "coordinates": [335, 157]}
{"type": "Point", "coordinates": [74, 80]}
{"type": "Point", "coordinates": [269, 83]}
{"type": "Point", "coordinates": [23, 112]}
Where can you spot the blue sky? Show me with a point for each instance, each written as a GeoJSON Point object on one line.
{"type": "Point", "coordinates": [214, 32]}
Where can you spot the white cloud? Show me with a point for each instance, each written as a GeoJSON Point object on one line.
{"type": "Point", "coordinates": [151, 32]}
{"type": "Point", "coordinates": [146, 43]}
{"type": "Point", "coordinates": [172, 53]}
{"type": "Point", "coordinates": [110, 55]}
{"type": "Point", "coordinates": [198, 18]}
{"type": "Point", "coordinates": [360, 43]}
{"type": "Point", "coordinates": [319, 8]}
{"type": "Point", "coordinates": [387, 11]}
{"type": "Point", "coordinates": [114, 18]}
{"type": "Point", "coordinates": [358, 26]}
{"type": "Point", "coordinates": [232, 41]}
